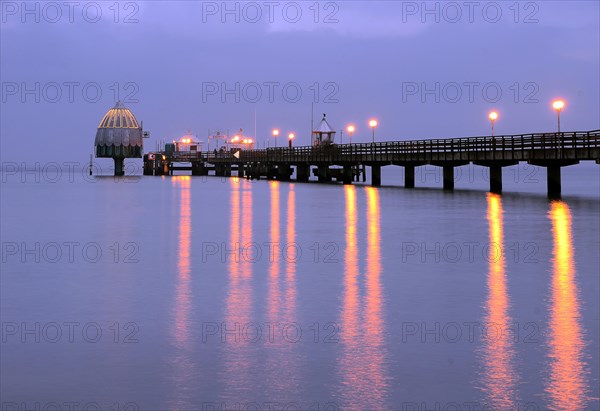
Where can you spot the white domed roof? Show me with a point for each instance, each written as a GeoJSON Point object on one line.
{"type": "Point", "coordinates": [119, 117]}
{"type": "Point", "coordinates": [119, 134]}
{"type": "Point", "coordinates": [324, 127]}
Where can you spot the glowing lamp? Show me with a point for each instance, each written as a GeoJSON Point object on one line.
{"type": "Point", "coordinates": [373, 124]}
{"type": "Point", "coordinates": [493, 116]}
{"type": "Point", "coordinates": [558, 105]}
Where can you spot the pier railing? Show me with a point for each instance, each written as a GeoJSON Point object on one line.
{"type": "Point", "coordinates": [550, 150]}
{"type": "Point", "coordinates": [537, 146]}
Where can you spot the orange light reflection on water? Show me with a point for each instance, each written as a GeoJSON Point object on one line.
{"type": "Point", "coordinates": [237, 361]}
{"type": "Point", "coordinates": [182, 363]}
{"type": "Point", "coordinates": [290, 296]}
{"type": "Point", "coordinates": [362, 363]}
{"type": "Point", "coordinates": [500, 378]}
{"type": "Point", "coordinates": [275, 250]}
{"type": "Point", "coordinates": [183, 297]}
{"type": "Point", "coordinates": [567, 385]}
{"type": "Point", "coordinates": [373, 322]}
{"type": "Point", "coordinates": [350, 364]}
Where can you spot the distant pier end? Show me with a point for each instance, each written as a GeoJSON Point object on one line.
{"type": "Point", "coordinates": [119, 136]}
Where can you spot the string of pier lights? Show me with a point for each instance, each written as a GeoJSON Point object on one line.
{"type": "Point", "coordinates": [291, 137]}
{"type": "Point", "coordinates": [351, 128]}
{"type": "Point", "coordinates": [558, 105]}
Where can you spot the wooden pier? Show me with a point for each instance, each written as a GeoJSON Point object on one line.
{"type": "Point", "coordinates": [348, 162]}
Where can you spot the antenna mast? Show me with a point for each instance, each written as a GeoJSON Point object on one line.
{"type": "Point", "coordinates": [312, 122]}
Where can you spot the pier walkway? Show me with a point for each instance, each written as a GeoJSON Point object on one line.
{"type": "Point", "coordinates": [348, 162]}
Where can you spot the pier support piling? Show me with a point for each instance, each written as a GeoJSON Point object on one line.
{"type": "Point", "coordinates": [553, 176]}
{"type": "Point", "coordinates": [119, 166]}
{"type": "Point", "coordinates": [302, 172]}
{"type": "Point", "coordinates": [496, 179]}
{"type": "Point", "coordinates": [159, 168]}
{"type": "Point", "coordinates": [356, 172]}
{"type": "Point", "coordinates": [375, 175]}
{"type": "Point", "coordinates": [148, 169]}
{"type": "Point", "coordinates": [255, 172]}
{"type": "Point", "coordinates": [348, 174]}
{"type": "Point", "coordinates": [553, 180]}
{"type": "Point", "coordinates": [283, 173]}
{"type": "Point", "coordinates": [198, 168]}
{"type": "Point", "coordinates": [448, 177]}
{"type": "Point", "coordinates": [324, 175]}
{"type": "Point", "coordinates": [409, 176]}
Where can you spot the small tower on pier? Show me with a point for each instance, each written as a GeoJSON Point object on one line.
{"type": "Point", "coordinates": [324, 134]}
{"type": "Point", "coordinates": [119, 136]}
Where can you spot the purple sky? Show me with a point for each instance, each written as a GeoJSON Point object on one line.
{"type": "Point", "coordinates": [365, 58]}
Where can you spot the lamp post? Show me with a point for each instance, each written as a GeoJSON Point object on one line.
{"type": "Point", "coordinates": [350, 131]}
{"type": "Point", "coordinates": [275, 134]}
{"type": "Point", "coordinates": [373, 124]}
{"type": "Point", "coordinates": [558, 105]}
{"type": "Point", "coordinates": [290, 139]}
{"type": "Point", "coordinates": [493, 116]}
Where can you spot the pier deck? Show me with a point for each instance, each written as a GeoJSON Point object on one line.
{"type": "Point", "coordinates": [550, 150]}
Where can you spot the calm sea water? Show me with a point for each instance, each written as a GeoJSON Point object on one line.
{"type": "Point", "coordinates": [185, 293]}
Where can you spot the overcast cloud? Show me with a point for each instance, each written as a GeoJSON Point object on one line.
{"type": "Point", "coordinates": [172, 61]}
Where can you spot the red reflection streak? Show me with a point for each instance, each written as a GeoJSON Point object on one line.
{"type": "Point", "coordinates": [363, 353]}
{"type": "Point", "coordinates": [237, 310]}
{"type": "Point", "coordinates": [499, 376]}
{"type": "Point", "coordinates": [274, 267]}
{"type": "Point", "coordinates": [291, 257]}
{"type": "Point", "coordinates": [183, 298]}
{"type": "Point", "coordinates": [567, 383]}
{"type": "Point", "coordinates": [246, 230]}
{"type": "Point", "coordinates": [240, 268]}
{"type": "Point", "coordinates": [373, 322]}
{"type": "Point", "coordinates": [351, 365]}
{"type": "Point", "coordinates": [281, 362]}
{"type": "Point", "coordinates": [182, 363]}
{"type": "Point", "coordinates": [234, 231]}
